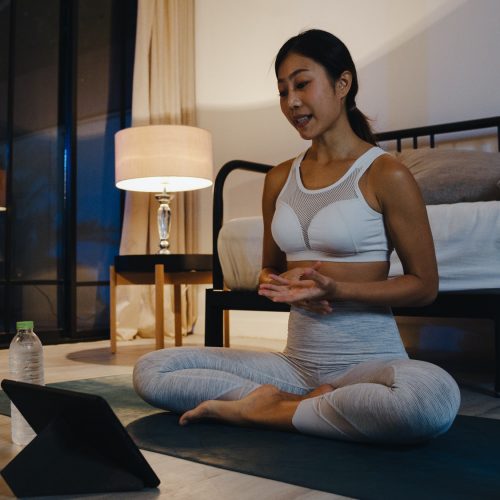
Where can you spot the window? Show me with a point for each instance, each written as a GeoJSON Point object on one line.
{"type": "Point", "coordinates": [65, 90]}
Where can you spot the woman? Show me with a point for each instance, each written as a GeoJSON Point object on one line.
{"type": "Point", "coordinates": [331, 219]}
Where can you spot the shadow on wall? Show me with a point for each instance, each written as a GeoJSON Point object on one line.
{"type": "Point", "coordinates": [253, 134]}
{"type": "Point", "coordinates": [442, 74]}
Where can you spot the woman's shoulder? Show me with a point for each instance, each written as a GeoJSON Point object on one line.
{"type": "Point", "coordinates": [387, 167]}
{"type": "Point", "coordinates": [391, 178]}
{"type": "Point", "coordinates": [276, 179]}
{"type": "Point", "coordinates": [279, 173]}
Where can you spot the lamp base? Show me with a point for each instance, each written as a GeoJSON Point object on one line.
{"type": "Point", "coordinates": [164, 218]}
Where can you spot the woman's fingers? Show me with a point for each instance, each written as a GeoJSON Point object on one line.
{"type": "Point", "coordinates": [294, 294]}
{"type": "Point", "coordinates": [280, 279]}
{"type": "Point", "coordinates": [304, 297]}
{"type": "Point", "coordinates": [312, 274]}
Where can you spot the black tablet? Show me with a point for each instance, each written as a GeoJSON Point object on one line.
{"type": "Point", "coordinates": [80, 444]}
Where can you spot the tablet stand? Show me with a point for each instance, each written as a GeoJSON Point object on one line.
{"type": "Point", "coordinates": [60, 461]}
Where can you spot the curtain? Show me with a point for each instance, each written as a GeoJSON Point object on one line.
{"type": "Point", "coordinates": [163, 93]}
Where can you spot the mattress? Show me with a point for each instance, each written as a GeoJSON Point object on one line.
{"type": "Point", "coordinates": [466, 237]}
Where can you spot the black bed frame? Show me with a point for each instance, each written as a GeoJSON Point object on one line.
{"type": "Point", "coordinates": [457, 304]}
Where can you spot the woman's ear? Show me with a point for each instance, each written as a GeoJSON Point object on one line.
{"type": "Point", "coordinates": [343, 83]}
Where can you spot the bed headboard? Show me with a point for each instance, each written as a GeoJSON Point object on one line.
{"type": "Point", "coordinates": [414, 134]}
{"type": "Point", "coordinates": [431, 131]}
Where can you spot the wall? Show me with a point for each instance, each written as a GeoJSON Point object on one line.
{"type": "Point", "coordinates": [419, 62]}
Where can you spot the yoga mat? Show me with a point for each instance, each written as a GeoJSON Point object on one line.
{"type": "Point", "coordinates": [462, 464]}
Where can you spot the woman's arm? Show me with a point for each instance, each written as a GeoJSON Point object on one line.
{"type": "Point", "coordinates": [273, 259]}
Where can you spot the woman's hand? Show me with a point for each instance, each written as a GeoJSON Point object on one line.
{"type": "Point", "coordinates": [302, 287]}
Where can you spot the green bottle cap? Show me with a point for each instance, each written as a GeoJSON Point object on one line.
{"type": "Point", "coordinates": [24, 325]}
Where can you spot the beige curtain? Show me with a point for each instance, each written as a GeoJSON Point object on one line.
{"type": "Point", "coordinates": [163, 93]}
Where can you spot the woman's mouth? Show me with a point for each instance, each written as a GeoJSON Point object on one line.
{"type": "Point", "coordinates": [302, 121]}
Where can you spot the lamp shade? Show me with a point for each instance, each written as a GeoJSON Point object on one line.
{"type": "Point", "coordinates": [158, 158]}
{"type": "Point", "coordinates": [3, 192]}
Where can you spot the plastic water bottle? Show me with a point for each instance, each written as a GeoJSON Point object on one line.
{"type": "Point", "coordinates": [25, 365]}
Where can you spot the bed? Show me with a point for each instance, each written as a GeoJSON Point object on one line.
{"type": "Point", "coordinates": [461, 189]}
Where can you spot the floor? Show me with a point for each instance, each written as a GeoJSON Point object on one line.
{"type": "Point", "coordinates": [183, 480]}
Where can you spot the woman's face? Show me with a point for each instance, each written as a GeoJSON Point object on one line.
{"type": "Point", "coordinates": [308, 98]}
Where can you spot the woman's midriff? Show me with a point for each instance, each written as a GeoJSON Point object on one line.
{"type": "Point", "coordinates": [352, 272]}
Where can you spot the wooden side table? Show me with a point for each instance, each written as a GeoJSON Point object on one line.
{"type": "Point", "coordinates": [160, 270]}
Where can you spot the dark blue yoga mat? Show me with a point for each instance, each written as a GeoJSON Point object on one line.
{"type": "Point", "coordinates": [462, 464]}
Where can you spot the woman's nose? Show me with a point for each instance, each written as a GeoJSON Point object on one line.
{"type": "Point", "coordinates": [293, 100]}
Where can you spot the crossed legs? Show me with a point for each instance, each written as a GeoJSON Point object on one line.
{"type": "Point", "coordinates": [388, 401]}
{"type": "Point", "coordinates": [397, 400]}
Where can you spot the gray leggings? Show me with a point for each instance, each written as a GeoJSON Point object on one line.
{"type": "Point", "coordinates": [379, 394]}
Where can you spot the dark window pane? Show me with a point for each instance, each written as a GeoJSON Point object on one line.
{"type": "Point", "coordinates": [93, 308]}
{"type": "Point", "coordinates": [3, 326]}
{"type": "Point", "coordinates": [4, 79]}
{"type": "Point", "coordinates": [98, 219]}
{"type": "Point", "coordinates": [4, 72]}
{"type": "Point", "coordinates": [36, 303]}
{"type": "Point", "coordinates": [35, 181]}
{"type": "Point", "coordinates": [99, 90]}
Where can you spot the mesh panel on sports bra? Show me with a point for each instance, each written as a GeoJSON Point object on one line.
{"type": "Point", "coordinates": [306, 205]}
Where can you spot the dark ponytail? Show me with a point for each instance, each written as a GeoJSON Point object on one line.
{"type": "Point", "coordinates": [360, 125]}
{"type": "Point", "coordinates": [326, 49]}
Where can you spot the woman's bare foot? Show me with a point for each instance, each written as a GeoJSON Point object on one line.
{"type": "Point", "coordinates": [266, 405]}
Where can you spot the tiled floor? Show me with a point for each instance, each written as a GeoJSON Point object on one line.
{"type": "Point", "coordinates": [183, 480]}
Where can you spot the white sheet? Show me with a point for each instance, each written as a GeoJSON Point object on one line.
{"type": "Point", "coordinates": [466, 236]}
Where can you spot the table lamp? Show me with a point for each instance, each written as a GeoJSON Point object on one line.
{"type": "Point", "coordinates": [3, 205]}
{"type": "Point", "coordinates": [163, 159]}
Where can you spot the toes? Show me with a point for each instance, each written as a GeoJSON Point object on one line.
{"type": "Point", "coordinates": [194, 415]}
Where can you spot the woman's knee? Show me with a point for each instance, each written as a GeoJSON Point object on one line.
{"type": "Point", "coordinates": [428, 398]}
{"type": "Point", "coordinates": [408, 402]}
{"type": "Point", "coordinates": [152, 368]}
{"type": "Point", "coordinates": [421, 403]}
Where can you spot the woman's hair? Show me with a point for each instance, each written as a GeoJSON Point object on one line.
{"type": "Point", "coordinates": [327, 50]}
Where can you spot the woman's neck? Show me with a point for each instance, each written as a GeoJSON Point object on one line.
{"type": "Point", "coordinates": [338, 143]}
{"type": "Point", "coordinates": [325, 149]}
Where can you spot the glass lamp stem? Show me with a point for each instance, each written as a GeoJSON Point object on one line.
{"type": "Point", "coordinates": [164, 217]}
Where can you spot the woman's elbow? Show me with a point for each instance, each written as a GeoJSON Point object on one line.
{"type": "Point", "coordinates": [428, 293]}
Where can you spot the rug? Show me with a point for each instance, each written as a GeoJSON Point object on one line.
{"type": "Point", "coordinates": [462, 464]}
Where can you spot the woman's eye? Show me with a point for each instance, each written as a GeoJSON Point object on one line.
{"type": "Point", "coordinates": [282, 93]}
{"type": "Point", "coordinates": [301, 85]}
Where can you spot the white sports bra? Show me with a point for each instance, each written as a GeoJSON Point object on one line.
{"type": "Point", "coordinates": [334, 223]}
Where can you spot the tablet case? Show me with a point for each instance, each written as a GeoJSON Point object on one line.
{"type": "Point", "coordinates": [80, 447]}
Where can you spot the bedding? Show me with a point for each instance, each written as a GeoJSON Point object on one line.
{"type": "Point", "coordinates": [454, 176]}
{"type": "Point", "coordinates": [466, 237]}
